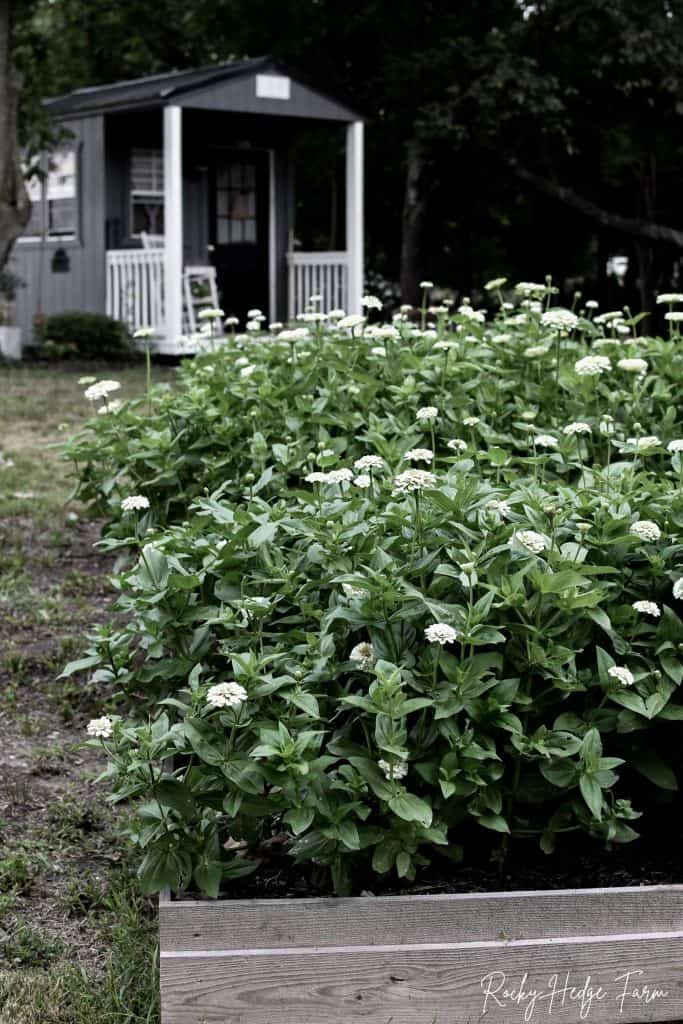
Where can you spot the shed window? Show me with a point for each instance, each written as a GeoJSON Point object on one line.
{"type": "Point", "coordinates": [53, 191]}
{"type": "Point", "coordinates": [146, 192]}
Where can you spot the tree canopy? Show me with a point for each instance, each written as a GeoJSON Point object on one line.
{"type": "Point", "coordinates": [509, 136]}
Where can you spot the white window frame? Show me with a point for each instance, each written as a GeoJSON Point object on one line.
{"type": "Point", "coordinates": [55, 238]}
{"type": "Point", "coordinates": [156, 195]}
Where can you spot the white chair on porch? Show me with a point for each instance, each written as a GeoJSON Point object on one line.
{"type": "Point", "coordinates": [151, 241]}
{"type": "Point", "coordinates": [200, 291]}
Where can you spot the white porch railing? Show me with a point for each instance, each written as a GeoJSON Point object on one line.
{"type": "Point", "coordinates": [135, 287]}
{"type": "Point", "coordinates": [317, 273]}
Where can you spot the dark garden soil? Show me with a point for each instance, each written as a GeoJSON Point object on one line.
{"type": "Point", "coordinates": [580, 864]}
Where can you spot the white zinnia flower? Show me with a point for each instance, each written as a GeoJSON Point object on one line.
{"type": "Point", "coordinates": [545, 441]}
{"type": "Point", "coordinates": [495, 284]}
{"type": "Point", "coordinates": [440, 633]}
{"type": "Point", "coordinates": [351, 321]}
{"type": "Point", "coordinates": [621, 674]}
{"type": "Point", "coordinates": [364, 654]}
{"type": "Point", "coordinates": [456, 444]}
{"type": "Point", "coordinates": [498, 505]}
{"type": "Point", "coordinates": [231, 321]}
{"type": "Point", "coordinates": [535, 352]}
{"type": "Point", "coordinates": [397, 771]}
{"type": "Point", "coordinates": [530, 289]}
{"type": "Point", "coordinates": [592, 304]}
{"type": "Point", "coordinates": [592, 366]}
{"type": "Point", "coordinates": [427, 412]}
{"type": "Point", "coordinates": [412, 480]}
{"type": "Point", "coordinates": [476, 315]}
{"type": "Point", "coordinates": [102, 727]}
{"type": "Point", "coordinates": [633, 365]}
{"type": "Point", "coordinates": [647, 608]}
{"type": "Point", "coordinates": [144, 332]}
{"type": "Point", "coordinates": [350, 591]}
{"type": "Point", "coordinates": [669, 297]}
{"type": "Point", "coordinates": [252, 314]}
{"type": "Point", "coordinates": [577, 427]}
{"type": "Point", "coordinates": [561, 320]}
{"type": "Point", "coordinates": [674, 317]}
{"type": "Point", "coordinates": [613, 316]}
{"type": "Point", "coordinates": [426, 284]}
{"type": "Point", "coordinates": [135, 503]}
{"type": "Point", "coordinates": [675, 445]}
{"type": "Point", "coordinates": [419, 455]}
{"type": "Point", "coordinates": [113, 406]}
{"type": "Point", "coordinates": [226, 695]}
{"type": "Point", "coordinates": [648, 441]}
{"type": "Point", "coordinates": [101, 389]}
{"type": "Point", "coordinates": [295, 334]}
{"type": "Point", "coordinates": [646, 530]}
{"type": "Point", "coordinates": [338, 476]}
{"type": "Point", "coordinates": [369, 462]}
{"type": "Point", "coordinates": [362, 480]}
{"type": "Point", "coordinates": [371, 302]}
{"type": "Point", "coordinates": [216, 314]}
{"type": "Point", "coordinates": [529, 539]}
{"type": "Point", "coordinates": [316, 477]}
{"type": "Point", "coordinates": [471, 421]}
{"type": "Point", "coordinates": [678, 589]}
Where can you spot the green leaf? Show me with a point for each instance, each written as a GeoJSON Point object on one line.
{"type": "Point", "coordinates": [411, 808]}
{"type": "Point", "coordinates": [199, 735]}
{"type": "Point", "coordinates": [592, 794]}
{"type": "Point", "coordinates": [299, 819]}
{"type": "Point", "coordinates": [208, 876]}
{"type": "Point", "coordinates": [305, 701]}
{"type": "Point", "coordinates": [348, 833]}
{"type": "Point", "coordinates": [79, 665]}
{"type": "Point", "coordinates": [404, 864]}
{"type": "Point", "coordinates": [264, 534]}
{"type": "Point", "coordinates": [654, 768]}
{"type": "Point", "coordinates": [493, 821]}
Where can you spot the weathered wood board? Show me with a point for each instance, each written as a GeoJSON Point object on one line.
{"type": "Point", "coordinates": [599, 955]}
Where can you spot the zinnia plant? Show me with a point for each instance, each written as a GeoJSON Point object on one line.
{"type": "Point", "coordinates": [383, 663]}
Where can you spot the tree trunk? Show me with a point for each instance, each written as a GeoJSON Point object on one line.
{"type": "Point", "coordinates": [15, 206]}
{"type": "Point", "coordinates": [413, 223]}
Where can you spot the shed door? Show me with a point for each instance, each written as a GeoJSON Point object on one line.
{"type": "Point", "coordinates": [238, 229]}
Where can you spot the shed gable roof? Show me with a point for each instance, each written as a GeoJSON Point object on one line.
{"type": "Point", "coordinates": [231, 85]}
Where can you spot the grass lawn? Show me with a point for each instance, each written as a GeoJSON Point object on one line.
{"type": "Point", "coordinates": [77, 941]}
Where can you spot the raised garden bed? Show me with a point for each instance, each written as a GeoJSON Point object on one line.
{"type": "Point", "coordinates": [603, 955]}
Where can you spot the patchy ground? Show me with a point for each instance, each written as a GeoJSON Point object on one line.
{"type": "Point", "coordinates": [77, 943]}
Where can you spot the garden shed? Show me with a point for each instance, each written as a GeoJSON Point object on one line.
{"type": "Point", "coordinates": [181, 172]}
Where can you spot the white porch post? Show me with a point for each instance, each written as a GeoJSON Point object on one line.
{"type": "Point", "coordinates": [173, 223]}
{"type": "Point", "coordinates": [354, 215]}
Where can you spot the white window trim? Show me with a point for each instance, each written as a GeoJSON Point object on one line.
{"type": "Point", "coordinates": [45, 237]}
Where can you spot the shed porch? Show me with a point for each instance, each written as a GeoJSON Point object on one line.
{"type": "Point", "coordinates": [201, 160]}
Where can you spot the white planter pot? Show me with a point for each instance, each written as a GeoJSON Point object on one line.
{"type": "Point", "coordinates": [10, 342]}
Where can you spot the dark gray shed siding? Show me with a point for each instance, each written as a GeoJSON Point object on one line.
{"type": "Point", "coordinates": [82, 287]}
